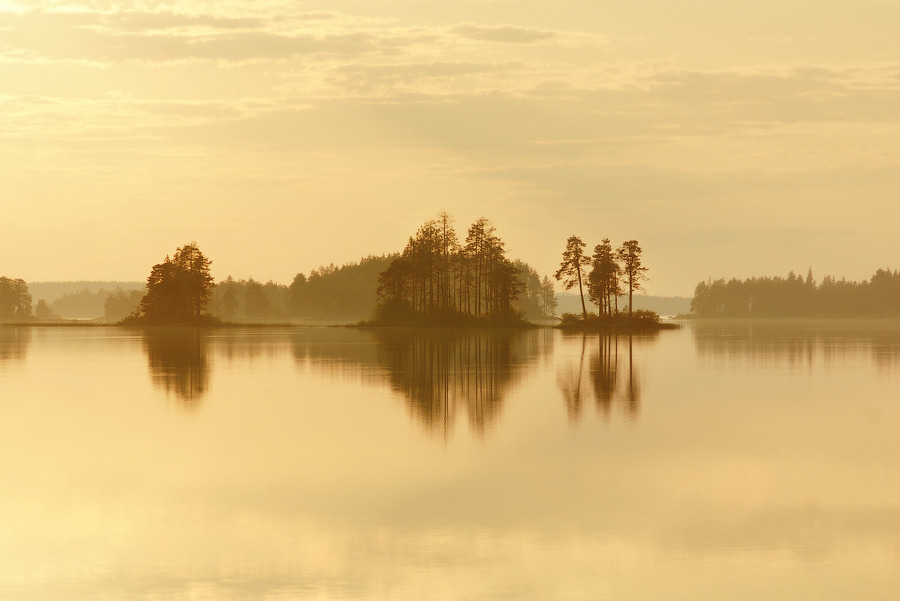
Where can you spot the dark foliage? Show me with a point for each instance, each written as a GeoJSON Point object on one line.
{"type": "Point", "coordinates": [638, 321]}
{"type": "Point", "coordinates": [794, 296]}
{"type": "Point", "coordinates": [15, 300]}
{"type": "Point", "coordinates": [449, 282]}
{"type": "Point", "coordinates": [179, 289]}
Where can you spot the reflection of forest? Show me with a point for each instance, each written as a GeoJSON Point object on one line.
{"type": "Point", "coordinates": [440, 373]}
{"type": "Point", "coordinates": [799, 343]}
{"type": "Point", "coordinates": [14, 342]}
{"type": "Point", "coordinates": [178, 361]}
{"type": "Point", "coordinates": [611, 373]}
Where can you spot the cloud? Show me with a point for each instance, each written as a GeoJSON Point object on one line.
{"type": "Point", "coordinates": [504, 33]}
{"type": "Point", "coordinates": [423, 78]}
{"type": "Point", "coordinates": [140, 21]}
{"type": "Point", "coordinates": [165, 37]}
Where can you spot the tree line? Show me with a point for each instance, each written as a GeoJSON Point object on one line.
{"type": "Point", "coordinates": [328, 293]}
{"type": "Point", "coordinates": [794, 296]}
{"type": "Point", "coordinates": [181, 289]}
{"type": "Point", "coordinates": [436, 276]}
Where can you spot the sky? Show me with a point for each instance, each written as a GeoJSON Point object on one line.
{"type": "Point", "coordinates": [729, 139]}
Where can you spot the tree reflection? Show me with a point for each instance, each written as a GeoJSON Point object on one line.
{"type": "Point", "coordinates": [632, 386]}
{"type": "Point", "coordinates": [607, 385]}
{"type": "Point", "coordinates": [604, 366]}
{"type": "Point", "coordinates": [799, 343]}
{"type": "Point", "coordinates": [441, 373]}
{"type": "Point", "coordinates": [14, 342]}
{"type": "Point", "coordinates": [178, 362]}
{"type": "Point", "coordinates": [569, 379]}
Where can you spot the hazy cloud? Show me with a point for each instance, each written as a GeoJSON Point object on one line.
{"type": "Point", "coordinates": [506, 33]}
{"type": "Point", "coordinates": [139, 22]}
{"type": "Point", "coordinates": [420, 78]}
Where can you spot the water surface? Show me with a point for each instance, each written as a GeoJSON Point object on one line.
{"type": "Point", "coordinates": [726, 460]}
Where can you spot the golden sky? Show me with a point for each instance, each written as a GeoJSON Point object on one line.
{"type": "Point", "coordinates": [727, 138]}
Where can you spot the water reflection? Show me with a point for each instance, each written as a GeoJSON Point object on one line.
{"type": "Point", "coordinates": [441, 373]}
{"type": "Point", "coordinates": [248, 343]}
{"type": "Point", "coordinates": [179, 363]}
{"type": "Point", "coordinates": [14, 342]}
{"type": "Point", "coordinates": [612, 379]}
{"type": "Point", "coordinates": [800, 343]}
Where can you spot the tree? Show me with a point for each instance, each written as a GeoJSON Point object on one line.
{"type": "Point", "coordinates": [43, 311]}
{"type": "Point", "coordinates": [537, 300]}
{"type": "Point", "coordinates": [548, 297]}
{"type": "Point", "coordinates": [572, 269]}
{"type": "Point", "coordinates": [120, 304]}
{"type": "Point", "coordinates": [15, 300]}
{"type": "Point", "coordinates": [603, 281]}
{"type": "Point", "coordinates": [179, 289]}
{"type": "Point", "coordinates": [256, 304]}
{"type": "Point", "coordinates": [630, 256]}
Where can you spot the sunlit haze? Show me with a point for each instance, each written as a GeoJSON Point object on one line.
{"type": "Point", "coordinates": [729, 139]}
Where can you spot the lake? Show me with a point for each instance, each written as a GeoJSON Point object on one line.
{"type": "Point", "coordinates": [727, 460]}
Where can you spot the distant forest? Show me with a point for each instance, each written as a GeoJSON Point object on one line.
{"type": "Point", "coordinates": [348, 293]}
{"type": "Point", "coordinates": [795, 296]}
{"type": "Point", "coordinates": [329, 293]}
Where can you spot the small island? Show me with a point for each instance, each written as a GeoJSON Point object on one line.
{"type": "Point", "coordinates": [611, 269]}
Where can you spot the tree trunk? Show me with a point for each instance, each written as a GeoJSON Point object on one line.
{"type": "Point", "coordinates": [580, 291]}
{"type": "Point", "coordinates": [630, 295]}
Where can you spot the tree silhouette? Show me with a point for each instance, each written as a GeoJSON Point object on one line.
{"type": "Point", "coordinates": [572, 269]}
{"type": "Point", "coordinates": [179, 289]}
{"type": "Point", "coordinates": [603, 282]}
{"type": "Point", "coordinates": [15, 300]}
{"type": "Point", "coordinates": [630, 256]}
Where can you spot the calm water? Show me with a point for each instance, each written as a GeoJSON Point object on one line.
{"type": "Point", "coordinates": [721, 461]}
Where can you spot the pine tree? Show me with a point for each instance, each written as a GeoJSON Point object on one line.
{"type": "Point", "coordinates": [603, 281]}
{"type": "Point", "coordinates": [630, 256]}
{"type": "Point", "coordinates": [572, 269]}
